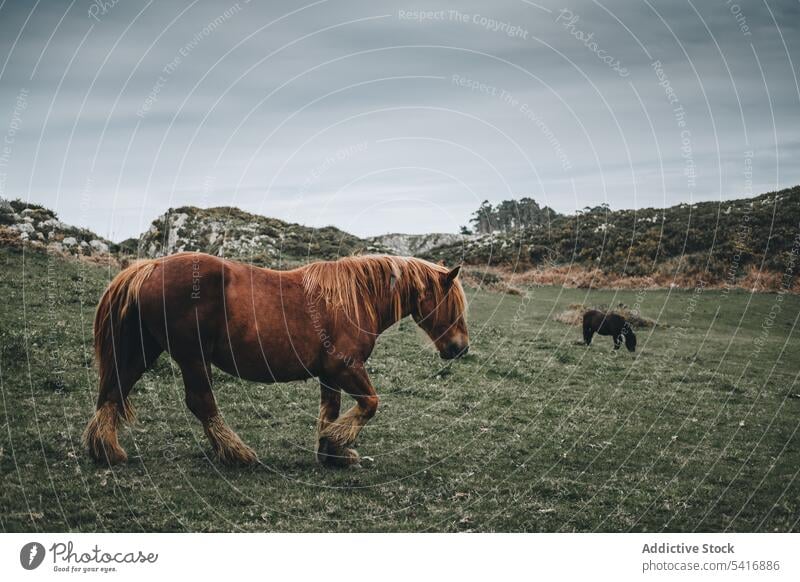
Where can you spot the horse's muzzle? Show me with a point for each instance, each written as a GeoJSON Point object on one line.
{"type": "Point", "coordinates": [453, 351]}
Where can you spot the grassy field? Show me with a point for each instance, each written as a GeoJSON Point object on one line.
{"type": "Point", "coordinates": [531, 432]}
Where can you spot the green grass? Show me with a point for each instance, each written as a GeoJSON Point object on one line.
{"type": "Point", "coordinates": [530, 432]}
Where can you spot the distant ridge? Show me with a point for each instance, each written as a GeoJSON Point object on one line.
{"type": "Point", "coordinates": [751, 243]}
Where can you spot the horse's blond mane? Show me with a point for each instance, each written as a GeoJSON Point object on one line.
{"type": "Point", "coordinates": [370, 282]}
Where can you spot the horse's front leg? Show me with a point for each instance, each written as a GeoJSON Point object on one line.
{"type": "Point", "coordinates": [330, 401]}
{"type": "Point", "coordinates": [336, 435]}
{"type": "Point", "coordinates": [588, 332]}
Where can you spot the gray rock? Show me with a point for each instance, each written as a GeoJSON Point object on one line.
{"type": "Point", "coordinates": [98, 246]}
{"type": "Point", "coordinates": [24, 227]}
{"type": "Point", "coordinates": [415, 244]}
{"type": "Point", "coordinates": [52, 223]}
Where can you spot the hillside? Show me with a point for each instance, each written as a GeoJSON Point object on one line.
{"type": "Point", "coordinates": [712, 241]}
{"type": "Point", "coordinates": [234, 233]}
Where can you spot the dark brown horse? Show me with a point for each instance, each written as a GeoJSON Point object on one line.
{"type": "Point", "coordinates": [321, 320]}
{"type": "Point", "coordinates": [608, 324]}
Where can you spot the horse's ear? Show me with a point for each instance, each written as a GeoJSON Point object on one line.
{"type": "Point", "coordinates": [451, 276]}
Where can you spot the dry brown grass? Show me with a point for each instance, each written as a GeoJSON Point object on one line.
{"type": "Point", "coordinates": [10, 237]}
{"type": "Point", "coordinates": [502, 279]}
{"type": "Point", "coordinates": [491, 279]}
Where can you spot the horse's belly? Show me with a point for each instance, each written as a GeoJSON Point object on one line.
{"type": "Point", "coordinates": [262, 361]}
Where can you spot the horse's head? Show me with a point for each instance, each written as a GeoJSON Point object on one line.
{"type": "Point", "coordinates": [440, 312]}
{"type": "Point", "coordinates": [630, 337]}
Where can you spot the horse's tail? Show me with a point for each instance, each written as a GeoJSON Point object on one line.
{"type": "Point", "coordinates": [118, 346]}
{"type": "Point", "coordinates": [116, 321]}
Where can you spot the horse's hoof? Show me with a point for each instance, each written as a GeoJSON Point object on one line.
{"type": "Point", "coordinates": [116, 457]}
{"type": "Point", "coordinates": [242, 455]}
{"type": "Point", "coordinates": [324, 453]}
{"type": "Point", "coordinates": [351, 457]}
{"type": "Point", "coordinates": [107, 454]}
{"type": "Point", "coordinates": [331, 455]}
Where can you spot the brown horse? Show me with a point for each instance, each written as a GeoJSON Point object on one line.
{"type": "Point", "coordinates": [321, 320]}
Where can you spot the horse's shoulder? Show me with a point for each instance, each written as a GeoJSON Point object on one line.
{"type": "Point", "coordinates": [592, 314]}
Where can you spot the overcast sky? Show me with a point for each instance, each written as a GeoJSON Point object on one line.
{"type": "Point", "coordinates": [367, 116]}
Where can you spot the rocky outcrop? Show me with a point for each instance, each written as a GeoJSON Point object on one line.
{"type": "Point", "coordinates": [417, 244]}
{"type": "Point", "coordinates": [22, 223]}
{"type": "Point", "coordinates": [231, 232]}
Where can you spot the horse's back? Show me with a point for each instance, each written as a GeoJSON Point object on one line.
{"type": "Point", "coordinates": [603, 323]}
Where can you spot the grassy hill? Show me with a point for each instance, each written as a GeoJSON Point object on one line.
{"type": "Point", "coordinates": [529, 432]}
{"type": "Point", "coordinates": [712, 241]}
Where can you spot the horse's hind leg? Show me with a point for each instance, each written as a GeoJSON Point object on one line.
{"type": "Point", "coordinates": [227, 445]}
{"type": "Point", "coordinates": [113, 404]}
{"type": "Point", "coordinates": [338, 435]}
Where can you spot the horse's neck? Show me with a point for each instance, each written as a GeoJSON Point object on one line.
{"type": "Point", "coordinates": [387, 316]}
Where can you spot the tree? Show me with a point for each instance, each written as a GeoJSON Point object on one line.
{"type": "Point", "coordinates": [482, 218]}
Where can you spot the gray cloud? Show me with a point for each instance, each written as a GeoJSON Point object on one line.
{"type": "Point", "coordinates": [145, 109]}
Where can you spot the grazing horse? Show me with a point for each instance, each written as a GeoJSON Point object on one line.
{"type": "Point", "coordinates": [608, 324]}
{"type": "Point", "coordinates": [321, 320]}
